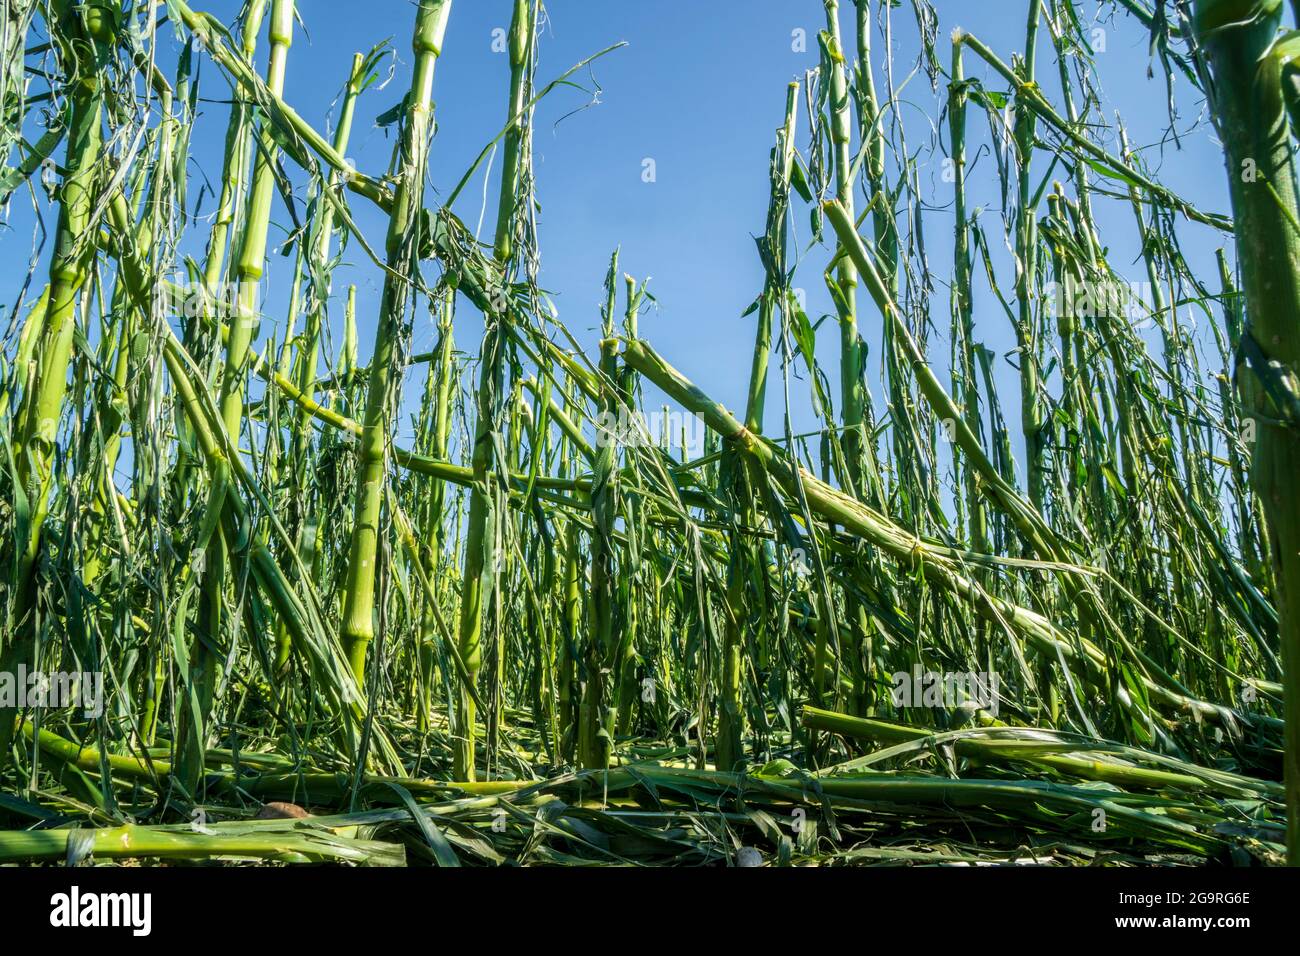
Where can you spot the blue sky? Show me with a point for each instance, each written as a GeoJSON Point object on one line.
{"type": "Point", "coordinates": [699, 89]}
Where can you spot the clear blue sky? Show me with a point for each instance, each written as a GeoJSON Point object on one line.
{"type": "Point", "coordinates": [699, 89]}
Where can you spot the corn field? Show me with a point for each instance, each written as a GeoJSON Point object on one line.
{"type": "Point", "coordinates": [993, 559]}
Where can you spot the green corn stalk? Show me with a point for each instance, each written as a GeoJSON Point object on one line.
{"type": "Point", "coordinates": [852, 397]}
{"type": "Point", "coordinates": [240, 326]}
{"type": "Point", "coordinates": [1251, 115]}
{"type": "Point", "coordinates": [596, 711]}
{"type": "Point", "coordinates": [92, 33]}
{"type": "Point", "coordinates": [488, 398]}
{"type": "Point", "coordinates": [402, 252]}
{"type": "Point", "coordinates": [235, 162]}
{"type": "Point", "coordinates": [963, 301]}
{"type": "Point", "coordinates": [730, 746]}
{"type": "Point", "coordinates": [1027, 338]}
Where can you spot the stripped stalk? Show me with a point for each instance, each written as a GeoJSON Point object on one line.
{"type": "Point", "coordinates": [1252, 122]}
{"type": "Point", "coordinates": [402, 253]}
